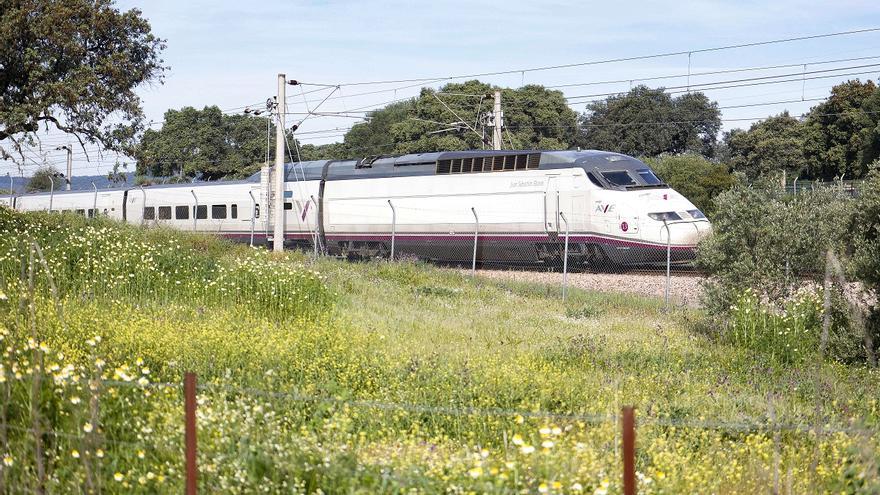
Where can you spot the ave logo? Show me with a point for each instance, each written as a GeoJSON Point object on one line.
{"type": "Point", "coordinates": [604, 209]}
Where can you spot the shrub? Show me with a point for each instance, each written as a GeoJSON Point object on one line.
{"type": "Point", "coordinates": [769, 241]}
{"type": "Point", "coordinates": [695, 177]}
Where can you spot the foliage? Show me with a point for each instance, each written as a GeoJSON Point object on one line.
{"type": "Point", "coordinates": [75, 64]}
{"type": "Point", "coordinates": [42, 179]}
{"type": "Point", "coordinates": [697, 178]}
{"type": "Point", "coordinates": [766, 240]}
{"type": "Point", "coordinates": [650, 122]}
{"type": "Point", "coordinates": [374, 137]}
{"type": "Point", "coordinates": [865, 237]}
{"type": "Point", "coordinates": [414, 379]}
{"type": "Point", "coordinates": [845, 131]}
{"type": "Point", "coordinates": [205, 143]}
{"type": "Point", "coordinates": [774, 144]}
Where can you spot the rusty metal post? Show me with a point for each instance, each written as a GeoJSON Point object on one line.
{"type": "Point", "coordinates": [628, 424]}
{"type": "Point", "coordinates": [189, 397]}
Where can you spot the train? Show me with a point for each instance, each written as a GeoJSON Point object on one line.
{"type": "Point", "coordinates": [503, 207]}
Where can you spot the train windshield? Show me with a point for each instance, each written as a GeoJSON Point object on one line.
{"type": "Point", "coordinates": [619, 178]}
{"type": "Point", "coordinates": [648, 176]}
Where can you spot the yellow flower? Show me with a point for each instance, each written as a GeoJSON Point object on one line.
{"type": "Point", "coordinates": [542, 488]}
{"type": "Point", "coordinates": [527, 449]}
{"type": "Point", "coordinates": [74, 453]}
{"type": "Point", "coordinates": [476, 472]}
{"type": "Point", "coordinates": [88, 427]}
{"type": "Point", "coordinates": [7, 460]}
{"type": "Point", "coordinates": [140, 454]}
{"type": "Point", "coordinates": [99, 453]}
{"type": "Point", "coordinates": [517, 439]}
{"type": "Point", "coordinates": [118, 476]}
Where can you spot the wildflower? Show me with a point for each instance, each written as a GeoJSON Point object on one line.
{"type": "Point", "coordinates": [99, 453]}
{"type": "Point", "coordinates": [527, 449]}
{"type": "Point", "coordinates": [118, 476]}
{"type": "Point", "coordinates": [88, 427]}
{"type": "Point", "coordinates": [140, 454]}
{"type": "Point", "coordinates": [7, 460]}
{"type": "Point", "coordinates": [475, 472]}
{"type": "Point", "coordinates": [74, 400]}
{"type": "Point", "coordinates": [74, 453]}
{"type": "Point", "coordinates": [556, 430]}
{"type": "Point", "coordinates": [517, 439]}
{"type": "Point", "coordinates": [545, 431]}
{"type": "Point", "coordinates": [577, 487]}
{"type": "Point", "coordinates": [547, 444]}
{"type": "Point", "coordinates": [543, 488]}
{"type": "Point", "coordinates": [519, 419]}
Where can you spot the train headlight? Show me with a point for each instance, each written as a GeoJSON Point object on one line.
{"type": "Point", "coordinates": [666, 215]}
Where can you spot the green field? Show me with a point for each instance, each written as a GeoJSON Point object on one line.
{"type": "Point", "coordinates": [336, 377]}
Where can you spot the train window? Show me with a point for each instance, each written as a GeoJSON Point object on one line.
{"type": "Point", "coordinates": [149, 213]}
{"type": "Point", "coordinates": [593, 179]}
{"type": "Point", "coordinates": [181, 212]}
{"type": "Point", "coordinates": [256, 210]}
{"type": "Point", "coordinates": [218, 211]}
{"type": "Point", "coordinates": [164, 213]}
{"type": "Point", "coordinates": [288, 206]}
{"type": "Point", "coordinates": [619, 178]}
{"type": "Point", "coordinates": [91, 213]}
{"type": "Point", "coordinates": [201, 212]}
{"type": "Point", "coordinates": [649, 177]}
{"type": "Point", "coordinates": [81, 213]}
{"type": "Point", "coordinates": [233, 211]}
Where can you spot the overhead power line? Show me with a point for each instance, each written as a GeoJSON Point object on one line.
{"type": "Point", "coordinates": [619, 59]}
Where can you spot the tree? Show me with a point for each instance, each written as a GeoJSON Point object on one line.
{"type": "Point", "coordinates": [697, 178]}
{"type": "Point", "coordinates": [374, 137]}
{"type": "Point", "coordinates": [847, 130]}
{"type": "Point", "coordinates": [774, 144]}
{"type": "Point", "coordinates": [42, 179]}
{"type": "Point", "coordinates": [452, 119]}
{"type": "Point", "coordinates": [74, 64]}
{"type": "Point", "coordinates": [205, 143]}
{"type": "Point", "coordinates": [650, 122]}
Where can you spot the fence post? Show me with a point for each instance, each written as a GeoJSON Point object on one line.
{"type": "Point", "coordinates": [195, 210]}
{"type": "Point", "coordinates": [668, 262]}
{"type": "Point", "coordinates": [95, 202]}
{"type": "Point", "coordinates": [393, 226]}
{"type": "Point", "coordinates": [628, 424]}
{"type": "Point", "coordinates": [51, 192]}
{"type": "Point", "coordinates": [565, 259]}
{"type": "Point", "coordinates": [476, 233]}
{"type": "Point", "coordinates": [315, 238]}
{"type": "Point", "coordinates": [253, 215]}
{"type": "Point", "coordinates": [192, 470]}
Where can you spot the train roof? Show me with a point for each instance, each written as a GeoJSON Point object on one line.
{"type": "Point", "coordinates": [421, 164]}
{"type": "Point", "coordinates": [447, 162]}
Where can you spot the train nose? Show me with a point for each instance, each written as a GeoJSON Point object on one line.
{"type": "Point", "coordinates": [685, 233]}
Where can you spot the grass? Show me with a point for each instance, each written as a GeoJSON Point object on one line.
{"type": "Point", "coordinates": [388, 378]}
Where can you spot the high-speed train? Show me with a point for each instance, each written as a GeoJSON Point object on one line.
{"type": "Point", "coordinates": [520, 205]}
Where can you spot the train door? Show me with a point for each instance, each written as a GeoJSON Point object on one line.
{"type": "Point", "coordinates": [551, 205]}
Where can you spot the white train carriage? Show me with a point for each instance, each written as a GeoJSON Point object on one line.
{"type": "Point", "coordinates": [520, 204]}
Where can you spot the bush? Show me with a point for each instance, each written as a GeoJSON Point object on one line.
{"type": "Point", "coordinates": [770, 241]}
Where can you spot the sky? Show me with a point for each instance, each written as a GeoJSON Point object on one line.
{"type": "Point", "coordinates": [229, 53]}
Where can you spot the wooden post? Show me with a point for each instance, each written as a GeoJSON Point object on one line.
{"type": "Point", "coordinates": [189, 397]}
{"type": "Point", "coordinates": [628, 423]}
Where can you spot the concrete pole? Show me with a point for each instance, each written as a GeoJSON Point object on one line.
{"type": "Point", "coordinates": [95, 201]}
{"type": "Point", "coordinates": [280, 110]}
{"type": "Point", "coordinates": [498, 121]}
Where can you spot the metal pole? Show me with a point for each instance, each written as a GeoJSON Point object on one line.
{"type": "Point", "coordinates": [668, 261]}
{"type": "Point", "coordinates": [196, 209]}
{"type": "Point", "coordinates": [497, 117]}
{"type": "Point", "coordinates": [628, 425]}
{"type": "Point", "coordinates": [393, 226]}
{"type": "Point", "coordinates": [145, 203]}
{"type": "Point", "coordinates": [95, 201]}
{"type": "Point", "coordinates": [253, 215]}
{"type": "Point", "coordinates": [69, 148]}
{"type": "Point", "coordinates": [794, 186]}
{"type": "Point", "coordinates": [190, 440]}
{"type": "Point", "coordinates": [315, 233]}
{"type": "Point", "coordinates": [476, 233]}
{"type": "Point", "coordinates": [11, 192]}
{"type": "Point", "coordinates": [565, 259]}
{"type": "Point", "coordinates": [51, 192]}
{"type": "Point", "coordinates": [280, 110]}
